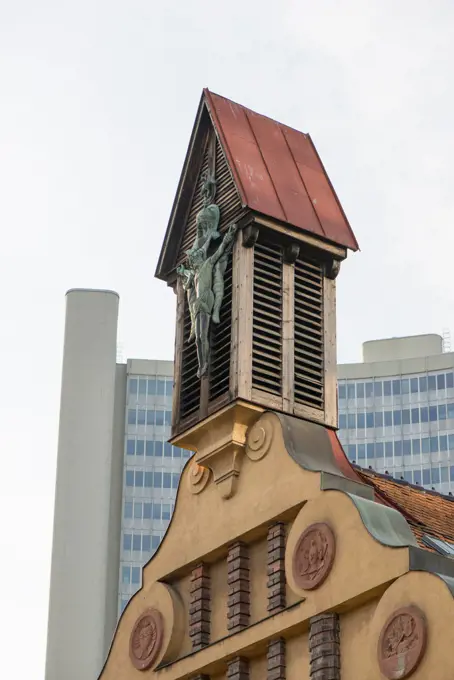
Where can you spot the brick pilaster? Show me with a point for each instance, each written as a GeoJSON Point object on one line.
{"type": "Point", "coordinates": [239, 598]}
{"type": "Point", "coordinates": [324, 647]}
{"type": "Point", "coordinates": [238, 669]}
{"type": "Point", "coordinates": [276, 568]}
{"type": "Point", "coordinates": [276, 660]}
{"type": "Point", "coordinates": [200, 607]}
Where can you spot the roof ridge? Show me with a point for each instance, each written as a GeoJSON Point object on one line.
{"type": "Point", "coordinates": [262, 115]}
{"type": "Point", "coordinates": [404, 482]}
{"type": "Point", "coordinates": [382, 494]}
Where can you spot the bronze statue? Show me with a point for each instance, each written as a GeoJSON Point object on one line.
{"type": "Point", "coordinates": [203, 277]}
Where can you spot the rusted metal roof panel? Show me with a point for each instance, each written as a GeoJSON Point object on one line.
{"type": "Point", "coordinates": [246, 161]}
{"type": "Point", "coordinates": [291, 195]}
{"type": "Point", "coordinates": [278, 172]}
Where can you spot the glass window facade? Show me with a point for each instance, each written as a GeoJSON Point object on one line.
{"type": "Point", "coordinates": [152, 469]}
{"type": "Point", "coordinates": [403, 425]}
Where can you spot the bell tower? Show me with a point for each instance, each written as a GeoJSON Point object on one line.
{"type": "Point", "coordinates": [253, 247]}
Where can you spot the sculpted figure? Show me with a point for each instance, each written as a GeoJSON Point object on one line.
{"type": "Point", "coordinates": [198, 280]}
{"type": "Point", "coordinates": [207, 231]}
{"type": "Point", "coordinates": [187, 276]}
{"type": "Point", "coordinates": [203, 274]}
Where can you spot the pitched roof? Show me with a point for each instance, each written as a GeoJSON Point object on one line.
{"type": "Point", "coordinates": [278, 172]}
{"type": "Point", "coordinates": [427, 512]}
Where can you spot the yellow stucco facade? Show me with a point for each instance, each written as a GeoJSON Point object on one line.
{"type": "Point", "coordinates": [239, 519]}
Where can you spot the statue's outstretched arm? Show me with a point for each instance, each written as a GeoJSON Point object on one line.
{"type": "Point", "coordinates": [226, 242]}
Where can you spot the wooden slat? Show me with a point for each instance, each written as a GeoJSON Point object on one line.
{"type": "Point", "coordinates": [267, 318]}
{"type": "Point", "coordinates": [221, 342]}
{"type": "Point", "coordinates": [330, 359]}
{"type": "Point", "coordinates": [243, 283]}
{"type": "Point", "coordinates": [308, 328]}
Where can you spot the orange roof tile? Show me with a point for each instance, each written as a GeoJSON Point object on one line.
{"type": "Point", "coordinates": [428, 512]}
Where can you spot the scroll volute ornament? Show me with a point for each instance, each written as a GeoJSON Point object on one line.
{"type": "Point", "coordinates": [198, 478]}
{"type": "Point", "coordinates": [402, 643]}
{"type": "Point", "coordinates": [313, 556]}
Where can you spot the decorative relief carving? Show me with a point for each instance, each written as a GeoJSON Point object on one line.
{"type": "Point", "coordinates": [259, 438]}
{"type": "Point", "coordinates": [313, 556]}
{"type": "Point", "coordinates": [146, 639]}
{"type": "Point", "coordinates": [402, 643]}
{"type": "Point", "coordinates": [202, 275]}
{"type": "Point", "coordinates": [198, 478]}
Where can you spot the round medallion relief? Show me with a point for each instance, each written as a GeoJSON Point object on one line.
{"type": "Point", "coordinates": [146, 639]}
{"type": "Point", "coordinates": [313, 556]}
{"type": "Point", "coordinates": [402, 643]}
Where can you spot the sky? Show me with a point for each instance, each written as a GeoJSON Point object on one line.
{"type": "Point", "coordinates": [98, 99]}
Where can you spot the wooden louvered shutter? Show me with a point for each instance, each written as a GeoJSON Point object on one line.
{"type": "Point", "coordinates": [267, 318]}
{"type": "Point", "coordinates": [308, 347]}
{"type": "Point", "coordinates": [221, 341]}
{"type": "Point", "coordinates": [190, 384]}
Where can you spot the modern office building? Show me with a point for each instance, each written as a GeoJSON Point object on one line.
{"type": "Point", "coordinates": [152, 469]}
{"type": "Point", "coordinates": [396, 410]}
{"type": "Point", "coordinates": [116, 483]}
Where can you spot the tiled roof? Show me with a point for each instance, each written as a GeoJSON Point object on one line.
{"type": "Point", "coordinates": [278, 172]}
{"type": "Point", "coordinates": [428, 512]}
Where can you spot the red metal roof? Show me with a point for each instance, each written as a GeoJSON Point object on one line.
{"type": "Point", "coordinates": [278, 171]}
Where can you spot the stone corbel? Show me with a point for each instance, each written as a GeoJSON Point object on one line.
{"type": "Point", "coordinates": [222, 442]}
{"type": "Point", "coordinates": [225, 464]}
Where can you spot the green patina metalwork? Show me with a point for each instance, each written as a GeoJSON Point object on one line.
{"type": "Point", "coordinates": [203, 274]}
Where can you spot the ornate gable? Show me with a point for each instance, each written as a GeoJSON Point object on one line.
{"type": "Point", "coordinates": [257, 564]}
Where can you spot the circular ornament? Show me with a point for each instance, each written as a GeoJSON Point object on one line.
{"type": "Point", "coordinates": [259, 439]}
{"type": "Point", "coordinates": [402, 643]}
{"type": "Point", "coordinates": [146, 639]}
{"type": "Point", "coordinates": [198, 478]}
{"type": "Point", "coordinates": [313, 556]}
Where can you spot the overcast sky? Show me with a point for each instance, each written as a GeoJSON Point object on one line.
{"type": "Point", "coordinates": [98, 99]}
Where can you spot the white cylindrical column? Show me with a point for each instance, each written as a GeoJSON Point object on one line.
{"type": "Point", "coordinates": [79, 576]}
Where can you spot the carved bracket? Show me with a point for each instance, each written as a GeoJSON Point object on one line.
{"type": "Point", "coordinates": [333, 269]}
{"type": "Point", "coordinates": [221, 450]}
{"type": "Point", "coordinates": [291, 252]}
{"type": "Point", "coordinates": [225, 464]}
{"type": "Point", "coordinates": [250, 235]}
